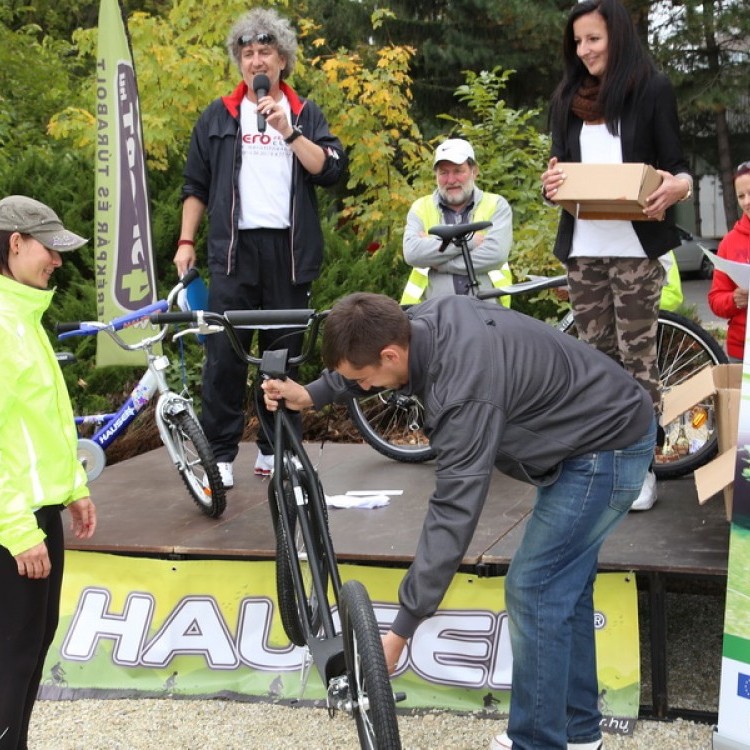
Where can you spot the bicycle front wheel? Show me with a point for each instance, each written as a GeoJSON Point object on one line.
{"type": "Point", "coordinates": [392, 424]}
{"type": "Point", "coordinates": [299, 604]}
{"type": "Point", "coordinates": [196, 463]}
{"type": "Point", "coordinates": [691, 440]}
{"type": "Point", "coordinates": [373, 704]}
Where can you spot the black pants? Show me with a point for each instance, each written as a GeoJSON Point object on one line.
{"type": "Point", "coordinates": [29, 610]}
{"type": "Point", "coordinates": [262, 280]}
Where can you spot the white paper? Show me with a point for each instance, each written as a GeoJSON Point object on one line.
{"type": "Point", "coordinates": [375, 492]}
{"type": "Point", "coordinates": [738, 272]}
{"type": "Point", "coordinates": [356, 501]}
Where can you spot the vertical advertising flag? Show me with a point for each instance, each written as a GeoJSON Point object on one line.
{"type": "Point", "coordinates": [733, 731]}
{"type": "Point", "coordinates": [125, 274]}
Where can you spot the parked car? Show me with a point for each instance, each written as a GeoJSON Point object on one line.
{"type": "Point", "coordinates": [691, 258]}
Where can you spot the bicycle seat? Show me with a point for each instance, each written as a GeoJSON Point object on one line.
{"type": "Point", "coordinates": [448, 232]}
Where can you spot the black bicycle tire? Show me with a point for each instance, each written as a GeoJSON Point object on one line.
{"type": "Point", "coordinates": [291, 608]}
{"type": "Point", "coordinates": [370, 691]}
{"type": "Point", "coordinates": [716, 355]}
{"type": "Point", "coordinates": [184, 425]}
{"type": "Point", "coordinates": [374, 437]}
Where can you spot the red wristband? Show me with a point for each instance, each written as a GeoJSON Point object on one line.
{"type": "Point", "coordinates": [180, 243]}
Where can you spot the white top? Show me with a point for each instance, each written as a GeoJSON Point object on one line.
{"type": "Point", "coordinates": [603, 238]}
{"type": "Point", "coordinates": [265, 172]}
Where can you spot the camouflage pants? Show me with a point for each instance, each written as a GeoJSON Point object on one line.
{"type": "Point", "coordinates": [615, 303]}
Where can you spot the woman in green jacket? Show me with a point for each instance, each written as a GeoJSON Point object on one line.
{"type": "Point", "coordinates": [39, 470]}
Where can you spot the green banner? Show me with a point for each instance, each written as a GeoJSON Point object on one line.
{"type": "Point", "coordinates": [153, 628]}
{"type": "Point", "coordinates": [124, 266]}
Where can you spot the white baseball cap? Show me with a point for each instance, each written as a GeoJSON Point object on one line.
{"type": "Point", "coordinates": [456, 150]}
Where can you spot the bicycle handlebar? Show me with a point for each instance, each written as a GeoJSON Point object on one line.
{"type": "Point", "coordinates": [210, 322]}
{"type": "Point", "coordinates": [86, 328]}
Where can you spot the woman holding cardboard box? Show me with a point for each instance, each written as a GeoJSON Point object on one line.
{"type": "Point", "coordinates": [725, 298]}
{"type": "Point", "coordinates": [613, 107]}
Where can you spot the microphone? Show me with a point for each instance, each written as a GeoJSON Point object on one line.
{"type": "Point", "coordinates": [261, 84]}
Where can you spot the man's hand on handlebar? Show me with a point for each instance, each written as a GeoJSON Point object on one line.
{"type": "Point", "coordinates": [295, 395]}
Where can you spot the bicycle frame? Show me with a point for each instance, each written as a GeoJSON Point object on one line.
{"type": "Point", "coordinates": [326, 646]}
{"type": "Point", "coordinates": [153, 380]}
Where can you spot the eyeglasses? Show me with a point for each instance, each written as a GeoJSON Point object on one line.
{"type": "Point", "coordinates": [262, 38]}
{"type": "Point", "coordinates": [743, 168]}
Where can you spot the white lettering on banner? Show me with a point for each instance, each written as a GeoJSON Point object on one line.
{"type": "Point", "coordinates": [252, 640]}
{"type": "Point", "coordinates": [196, 626]}
{"type": "Point", "coordinates": [91, 621]}
{"type": "Point", "coordinates": [454, 648]}
{"type": "Point", "coordinates": [466, 648]}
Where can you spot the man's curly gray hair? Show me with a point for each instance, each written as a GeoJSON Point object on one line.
{"type": "Point", "coordinates": [265, 21]}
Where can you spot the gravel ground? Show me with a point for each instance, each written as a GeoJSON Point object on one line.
{"type": "Point", "coordinates": [222, 725]}
{"type": "Point", "coordinates": [694, 635]}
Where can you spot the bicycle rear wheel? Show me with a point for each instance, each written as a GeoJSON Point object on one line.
{"type": "Point", "coordinates": [691, 440]}
{"type": "Point", "coordinates": [392, 424]}
{"type": "Point", "coordinates": [373, 704]}
{"type": "Point", "coordinates": [683, 349]}
{"type": "Point", "coordinates": [196, 463]}
{"type": "Point", "coordinates": [300, 610]}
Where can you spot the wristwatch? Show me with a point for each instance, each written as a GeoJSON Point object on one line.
{"type": "Point", "coordinates": [689, 193]}
{"type": "Point", "coordinates": [296, 133]}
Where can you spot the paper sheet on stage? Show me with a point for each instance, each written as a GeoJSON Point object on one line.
{"type": "Point", "coordinates": [738, 272]}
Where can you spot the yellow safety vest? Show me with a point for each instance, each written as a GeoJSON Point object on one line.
{"type": "Point", "coordinates": [429, 213]}
{"type": "Point", "coordinates": [671, 292]}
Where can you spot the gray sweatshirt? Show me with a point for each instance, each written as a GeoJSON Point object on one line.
{"type": "Point", "coordinates": [500, 390]}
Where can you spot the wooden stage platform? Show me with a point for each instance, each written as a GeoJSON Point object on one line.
{"type": "Point", "coordinates": [144, 509]}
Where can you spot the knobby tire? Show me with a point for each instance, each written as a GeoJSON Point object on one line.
{"type": "Point", "coordinates": [293, 605]}
{"type": "Point", "coordinates": [374, 708]}
{"type": "Point", "coordinates": [200, 472]}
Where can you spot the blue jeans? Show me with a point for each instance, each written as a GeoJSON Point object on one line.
{"type": "Point", "coordinates": [549, 596]}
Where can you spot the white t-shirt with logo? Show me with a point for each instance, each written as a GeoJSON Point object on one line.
{"type": "Point", "coordinates": [265, 172]}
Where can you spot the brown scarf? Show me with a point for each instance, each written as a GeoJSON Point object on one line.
{"type": "Point", "coordinates": [585, 102]}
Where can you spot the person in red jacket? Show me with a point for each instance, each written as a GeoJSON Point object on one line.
{"type": "Point", "coordinates": [725, 298]}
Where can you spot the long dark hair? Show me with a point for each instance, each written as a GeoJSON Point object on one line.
{"type": "Point", "coordinates": [628, 65]}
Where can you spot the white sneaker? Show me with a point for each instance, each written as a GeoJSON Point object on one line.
{"type": "Point", "coordinates": [647, 498]}
{"type": "Point", "coordinates": [226, 472]}
{"type": "Point", "coordinates": [501, 742]}
{"type": "Point", "coordinates": [263, 465]}
{"type": "Point", "coordinates": [596, 745]}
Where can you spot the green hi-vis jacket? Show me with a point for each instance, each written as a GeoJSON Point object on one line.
{"type": "Point", "coordinates": [426, 211]}
{"type": "Point", "coordinates": [38, 456]}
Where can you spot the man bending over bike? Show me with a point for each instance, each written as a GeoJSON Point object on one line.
{"type": "Point", "coordinates": [502, 390]}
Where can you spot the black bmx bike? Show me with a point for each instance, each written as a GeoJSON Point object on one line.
{"type": "Point", "coordinates": [392, 422]}
{"type": "Point", "coordinates": [349, 658]}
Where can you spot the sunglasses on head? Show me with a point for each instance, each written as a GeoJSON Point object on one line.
{"type": "Point", "coordinates": [262, 38]}
{"type": "Point", "coordinates": [743, 168]}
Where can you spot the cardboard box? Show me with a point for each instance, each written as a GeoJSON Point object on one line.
{"type": "Point", "coordinates": [607, 191]}
{"type": "Point", "coordinates": [724, 382]}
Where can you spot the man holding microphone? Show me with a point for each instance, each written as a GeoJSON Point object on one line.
{"type": "Point", "coordinates": [255, 158]}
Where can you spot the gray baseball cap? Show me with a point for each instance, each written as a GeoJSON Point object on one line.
{"type": "Point", "coordinates": [27, 216]}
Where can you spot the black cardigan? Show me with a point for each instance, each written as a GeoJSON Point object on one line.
{"type": "Point", "coordinates": [650, 134]}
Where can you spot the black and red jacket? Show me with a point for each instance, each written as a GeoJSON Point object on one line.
{"type": "Point", "coordinates": [212, 175]}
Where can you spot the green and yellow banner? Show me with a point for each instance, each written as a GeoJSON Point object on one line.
{"type": "Point", "coordinates": [210, 628]}
{"type": "Point", "coordinates": [733, 731]}
{"type": "Point", "coordinates": [124, 265]}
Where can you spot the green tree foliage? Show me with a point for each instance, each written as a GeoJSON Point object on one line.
{"type": "Point", "coordinates": [451, 36]}
{"type": "Point", "coordinates": [704, 47]}
{"type": "Point", "coordinates": [367, 94]}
